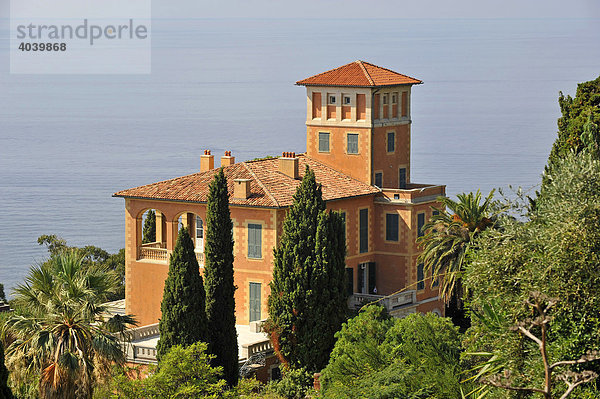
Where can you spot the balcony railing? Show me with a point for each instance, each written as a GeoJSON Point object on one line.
{"type": "Point", "coordinates": [200, 258]}
{"type": "Point", "coordinates": [396, 303]}
{"type": "Point", "coordinates": [153, 253]}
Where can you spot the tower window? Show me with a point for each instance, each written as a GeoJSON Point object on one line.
{"type": "Point", "coordinates": [323, 142]}
{"type": "Point", "coordinates": [385, 99]}
{"type": "Point", "coordinates": [394, 98]}
{"type": "Point", "coordinates": [379, 179]}
{"type": "Point", "coordinates": [352, 147]}
{"type": "Point", "coordinates": [332, 99]}
{"type": "Point", "coordinates": [391, 142]}
{"type": "Point", "coordinates": [347, 100]}
{"type": "Point", "coordinates": [402, 178]}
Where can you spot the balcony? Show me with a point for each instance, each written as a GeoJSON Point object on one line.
{"type": "Point", "coordinates": [412, 194]}
{"type": "Point", "coordinates": [400, 304]}
{"type": "Point", "coordinates": [158, 252]}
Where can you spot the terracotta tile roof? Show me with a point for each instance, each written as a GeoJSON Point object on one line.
{"type": "Point", "coordinates": [359, 74]}
{"type": "Point", "coordinates": [268, 186]}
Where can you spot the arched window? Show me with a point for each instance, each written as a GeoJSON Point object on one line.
{"type": "Point", "coordinates": [199, 234]}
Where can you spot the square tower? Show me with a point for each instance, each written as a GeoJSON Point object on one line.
{"type": "Point", "coordinates": [358, 122]}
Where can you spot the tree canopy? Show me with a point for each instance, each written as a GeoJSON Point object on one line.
{"type": "Point", "coordinates": [307, 302]}
{"type": "Point", "coordinates": [377, 356]}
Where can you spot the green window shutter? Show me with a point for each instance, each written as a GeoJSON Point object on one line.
{"type": "Point", "coordinates": [402, 178]}
{"type": "Point", "coordinates": [420, 224]}
{"type": "Point", "coordinates": [364, 230]}
{"type": "Point", "coordinates": [254, 304]}
{"type": "Point", "coordinates": [372, 278]}
{"type": "Point", "coordinates": [323, 142]}
{"type": "Point", "coordinates": [391, 226]}
{"type": "Point", "coordinates": [379, 179]}
{"type": "Point", "coordinates": [361, 277]}
{"type": "Point", "coordinates": [352, 143]}
{"type": "Point", "coordinates": [391, 142]}
{"type": "Point", "coordinates": [254, 241]}
{"type": "Point", "coordinates": [420, 276]}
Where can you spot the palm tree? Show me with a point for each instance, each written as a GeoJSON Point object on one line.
{"type": "Point", "coordinates": [448, 235]}
{"type": "Point", "coordinates": [59, 329]}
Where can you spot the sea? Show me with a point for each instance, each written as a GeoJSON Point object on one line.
{"type": "Point", "coordinates": [484, 118]}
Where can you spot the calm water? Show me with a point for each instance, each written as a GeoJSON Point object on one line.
{"type": "Point", "coordinates": [485, 117]}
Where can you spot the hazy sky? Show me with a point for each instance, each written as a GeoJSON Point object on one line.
{"type": "Point", "coordinates": [378, 8]}
{"type": "Point", "coordinates": [368, 8]}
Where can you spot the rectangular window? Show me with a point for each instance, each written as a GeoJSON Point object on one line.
{"type": "Point", "coordinates": [323, 142]}
{"type": "Point", "coordinates": [254, 241]}
{"type": "Point", "coordinates": [347, 100]}
{"type": "Point", "coordinates": [379, 179]}
{"type": "Point", "coordinates": [420, 276]}
{"type": "Point", "coordinates": [391, 142]}
{"type": "Point", "coordinates": [372, 278]}
{"type": "Point", "coordinates": [352, 139]}
{"type": "Point", "coordinates": [420, 224]}
{"type": "Point", "coordinates": [391, 226]}
{"type": "Point", "coordinates": [402, 178]}
{"type": "Point", "coordinates": [361, 107]}
{"type": "Point", "coordinates": [435, 212]}
{"type": "Point", "coordinates": [254, 304]}
{"type": "Point", "coordinates": [385, 99]}
{"type": "Point", "coordinates": [364, 231]}
{"type": "Point", "coordinates": [331, 98]}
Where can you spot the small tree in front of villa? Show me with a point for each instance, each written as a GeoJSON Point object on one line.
{"type": "Point", "coordinates": [149, 231]}
{"type": "Point", "coordinates": [183, 320]}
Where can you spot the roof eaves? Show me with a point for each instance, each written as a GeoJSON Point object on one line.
{"type": "Point", "coordinates": [192, 202]}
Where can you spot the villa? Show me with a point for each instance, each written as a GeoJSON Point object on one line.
{"type": "Point", "coordinates": [358, 136]}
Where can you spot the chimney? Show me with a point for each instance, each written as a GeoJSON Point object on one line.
{"type": "Point", "coordinates": [227, 159]}
{"type": "Point", "coordinates": [207, 161]}
{"type": "Point", "coordinates": [241, 188]}
{"type": "Point", "coordinates": [288, 164]}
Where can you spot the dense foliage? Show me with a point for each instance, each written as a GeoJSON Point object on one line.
{"type": "Point", "coordinates": [575, 114]}
{"type": "Point", "coordinates": [59, 332]}
{"type": "Point", "coordinates": [91, 255]}
{"type": "Point", "coordinates": [556, 252]}
{"type": "Point", "coordinates": [307, 302]}
{"type": "Point", "coordinates": [447, 238]}
{"type": "Point", "coordinates": [218, 280]}
{"type": "Point", "coordinates": [5, 392]}
{"type": "Point", "coordinates": [183, 320]}
{"type": "Point", "coordinates": [149, 230]}
{"type": "Point", "coordinates": [376, 356]}
{"type": "Point", "coordinates": [2, 294]}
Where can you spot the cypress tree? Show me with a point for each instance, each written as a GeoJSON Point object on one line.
{"type": "Point", "coordinates": [219, 285]}
{"type": "Point", "coordinates": [5, 392]}
{"type": "Point", "coordinates": [308, 281]}
{"type": "Point", "coordinates": [327, 297]}
{"type": "Point", "coordinates": [183, 320]}
{"type": "Point", "coordinates": [149, 231]}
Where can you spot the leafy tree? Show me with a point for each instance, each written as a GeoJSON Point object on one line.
{"type": "Point", "coordinates": [576, 113]}
{"type": "Point", "coordinates": [447, 239]}
{"type": "Point", "coordinates": [149, 231]}
{"type": "Point", "coordinates": [183, 320]}
{"type": "Point", "coordinates": [90, 255]}
{"type": "Point", "coordinates": [301, 324]}
{"type": "Point", "coordinates": [185, 372]}
{"type": "Point", "coordinates": [376, 356]}
{"type": "Point", "coordinates": [555, 251]}
{"type": "Point", "coordinates": [5, 392]}
{"type": "Point", "coordinates": [59, 329]}
{"type": "Point", "coordinates": [218, 280]}
{"type": "Point", "coordinates": [2, 294]}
